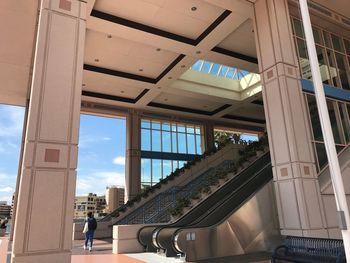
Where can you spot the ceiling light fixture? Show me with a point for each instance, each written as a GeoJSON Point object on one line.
{"type": "Point", "coordinates": [97, 60]}
{"type": "Point", "coordinates": [158, 49]}
{"type": "Point", "coordinates": [122, 91]}
{"type": "Point", "coordinates": [109, 36]}
{"type": "Point", "coordinates": [165, 99]}
{"type": "Point", "coordinates": [183, 66]}
{"type": "Point", "coordinates": [193, 8]}
{"type": "Point", "coordinates": [170, 77]}
{"type": "Point", "coordinates": [84, 84]}
{"type": "Point", "coordinates": [159, 87]}
{"type": "Point", "coordinates": [198, 52]}
{"type": "Point", "coordinates": [140, 69]}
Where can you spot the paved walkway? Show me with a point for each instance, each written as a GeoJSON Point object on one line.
{"type": "Point", "coordinates": [102, 253]}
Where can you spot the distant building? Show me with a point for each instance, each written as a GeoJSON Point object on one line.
{"type": "Point", "coordinates": [5, 210]}
{"type": "Point", "coordinates": [114, 198]}
{"type": "Point", "coordinates": [90, 203]}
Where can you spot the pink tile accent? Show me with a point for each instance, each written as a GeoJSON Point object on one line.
{"type": "Point", "coordinates": [290, 71]}
{"type": "Point", "coordinates": [65, 5]}
{"type": "Point", "coordinates": [306, 170]}
{"type": "Point", "coordinates": [269, 74]}
{"type": "Point", "coordinates": [284, 172]}
{"type": "Point", "coordinates": [52, 155]}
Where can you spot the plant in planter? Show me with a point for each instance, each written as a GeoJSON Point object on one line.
{"type": "Point", "coordinates": [206, 189]}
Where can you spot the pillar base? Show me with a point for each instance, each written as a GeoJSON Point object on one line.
{"type": "Point", "coordinates": [52, 257]}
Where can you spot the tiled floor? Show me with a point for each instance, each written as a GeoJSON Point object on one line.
{"type": "Point", "coordinates": [102, 253]}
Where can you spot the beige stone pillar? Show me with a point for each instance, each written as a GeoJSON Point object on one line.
{"type": "Point", "coordinates": [209, 135]}
{"type": "Point", "coordinates": [295, 178]}
{"type": "Point", "coordinates": [44, 216]}
{"type": "Point", "coordinates": [133, 155]}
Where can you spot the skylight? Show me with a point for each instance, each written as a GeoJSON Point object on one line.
{"type": "Point", "coordinates": [219, 70]}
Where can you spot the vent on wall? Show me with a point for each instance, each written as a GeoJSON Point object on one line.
{"type": "Point", "coordinates": [326, 12]}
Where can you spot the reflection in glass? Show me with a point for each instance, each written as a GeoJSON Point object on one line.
{"type": "Point", "coordinates": [347, 46]}
{"type": "Point", "coordinates": [344, 73]}
{"type": "Point", "coordinates": [333, 119]}
{"type": "Point", "coordinates": [298, 28]}
{"type": "Point", "coordinates": [321, 155]}
{"type": "Point", "coordinates": [315, 120]}
{"type": "Point", "coordinates": [345, 121]}
{"type": "Point", "coordinates": [331, 61]}
{"type": "Point", "coordinates": [303, 60]}
{"type": "Point", "coordinates": [337, 44]}
{"type": "Point", "coordinates": [323, 65]}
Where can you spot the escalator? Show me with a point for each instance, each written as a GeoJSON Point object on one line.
{"type": "Point", "coordinates": [212, 211]}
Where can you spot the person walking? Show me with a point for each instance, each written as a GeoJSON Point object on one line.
{"type": "Point", "coordinates": [89, 230]}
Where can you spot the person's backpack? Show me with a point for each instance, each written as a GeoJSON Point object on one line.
{"type": "Point", "coordinates": [92, 224]}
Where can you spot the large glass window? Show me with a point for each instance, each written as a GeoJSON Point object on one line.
{"type": "Point", "coordinates": [333, 54]}
{"type": "Point", "coordinates": [166, 146]}
{"type": "Point", "coordinates": [340, 123]}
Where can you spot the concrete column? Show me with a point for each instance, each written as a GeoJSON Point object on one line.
{"type": "Point", "coordinates": [209, 135]}
{"type": "Point", "coordinates": [44, 215]}
{"type": "Point", "coordinates": [133, 155]}
{"type": "Point", "coordinates": [295, 178]}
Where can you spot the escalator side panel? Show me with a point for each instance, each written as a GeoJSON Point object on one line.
{"type": "Point", "coordinates": [252, 228]}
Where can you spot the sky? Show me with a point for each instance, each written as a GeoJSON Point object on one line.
{"type": "Point", "coordinates": [101, 159]}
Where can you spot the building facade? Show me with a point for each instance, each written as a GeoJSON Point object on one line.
{"type": "Point", "coordinates": [90, 203]}
{"type": "Point", "coordinates": [176, 72]}
{"type": "Point", "coordinates": [114, 198]}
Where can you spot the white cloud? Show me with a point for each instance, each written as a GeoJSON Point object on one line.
{"type": "Point", "coordinates": [120, 160]}
{"type": "Point", "coordinates": [7, 198]}
{"type": "Point", "coordinates": [97, 182]}
{"type": "Point", "coordinates": [107, 138]}
{"type": "Point", "coordinates": [7, 189]}
{"type": "Point", "coordinates": [11, 119]}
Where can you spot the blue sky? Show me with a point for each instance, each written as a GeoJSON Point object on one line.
{"type": "Point", "coordinates": [101, 160]}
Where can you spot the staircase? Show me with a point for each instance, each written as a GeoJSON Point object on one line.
{"type": "Point", "coordinates": [153, 204]}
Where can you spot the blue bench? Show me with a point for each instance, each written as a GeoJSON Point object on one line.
{"type": "Point", "coordinates": [310, 250]}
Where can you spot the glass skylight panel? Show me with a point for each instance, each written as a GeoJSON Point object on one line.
{"type": "Point", "coordinates": [230, 73]}
{"type": "Point", "coordinates": [215, 69]}
{"type": "Point", "coordinates": [197, 66]}
{"type": "Point", "coordinates": [206, 67]}
{"type": "Point", "coordinates": [219, 70]}
{"type": "Point", "coordinates": [223, 71]}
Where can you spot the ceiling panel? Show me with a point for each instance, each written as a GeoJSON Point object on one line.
{"type": "Point", "coordinates": [187, 102]}
{"type": "Point", "coordinates": [241, 40]}
{"type": "Point", "coordinates": [339, 6]}
{"type": "Point", "coordinates": [250, 111]}
{"type": "Point", "coordinates": [124, 55]}
{"type": "Point", "coordinates": [110, 85]}
{"type": "Point", "coordinates": [172, 16]}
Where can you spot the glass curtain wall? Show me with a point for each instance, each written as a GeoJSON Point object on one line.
{"type": "Point", "coordinates": [166, 146]}
{"type": "Point", "coordinates": [333, 55]}
{"type": "Point", "coordinates": [339, 113]}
